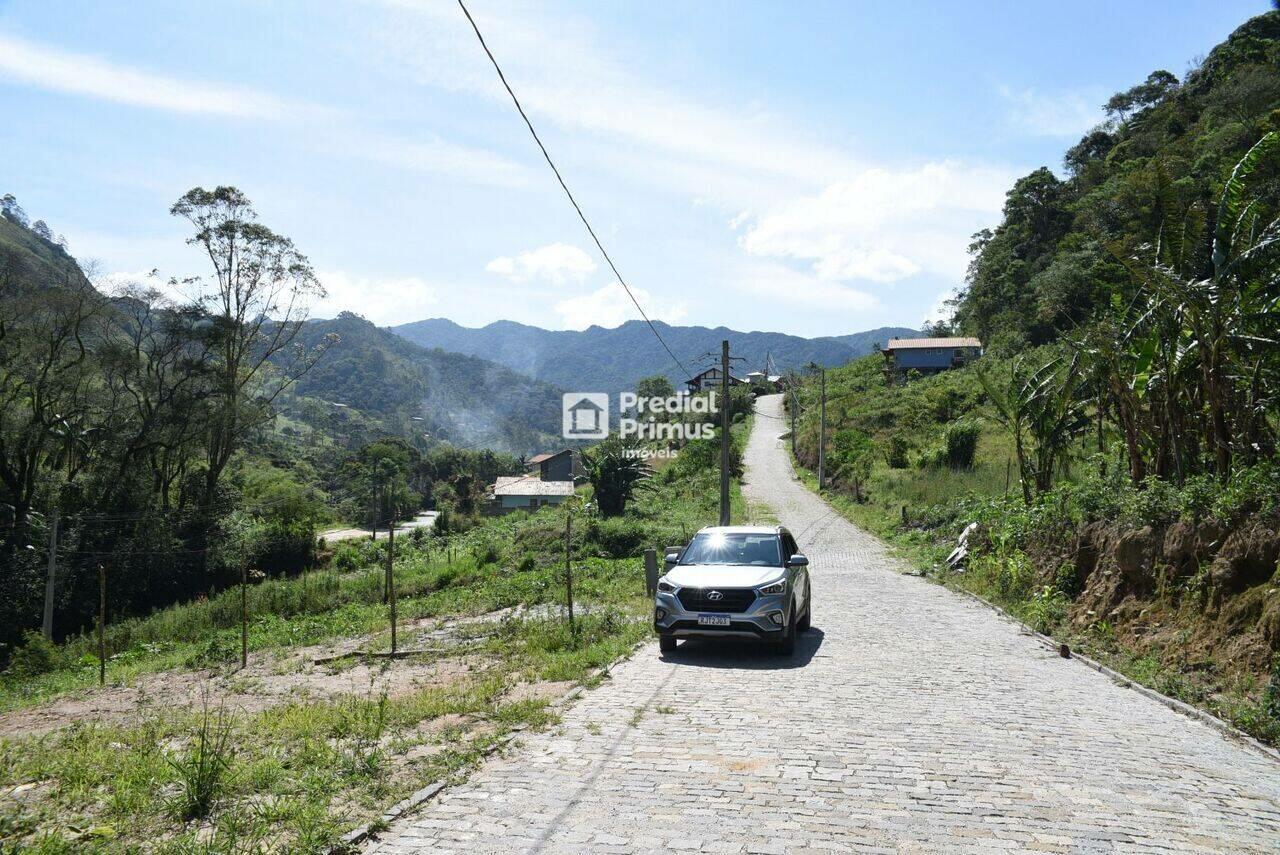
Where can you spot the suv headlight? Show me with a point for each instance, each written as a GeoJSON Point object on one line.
{"type": "Point", "coordinates": [779, 587]}
{"type": "Point", "coordinates": [666, 587]}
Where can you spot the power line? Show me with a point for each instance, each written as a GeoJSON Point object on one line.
{"type": "Point", "coordinates": [565, 187]}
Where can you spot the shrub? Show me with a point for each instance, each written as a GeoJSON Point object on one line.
{"type": "Point", "coordinates": [36, 656]}
{"type": "Point", "coordinates": [285, 546]}
{"type": "Point", "coordinates": [896, 452]}
{"type": "Point", "coordinates": [961, 442]}
{"type": "Point", "coordinates": [617, 537]}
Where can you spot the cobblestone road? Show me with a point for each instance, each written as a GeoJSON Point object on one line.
{"type": "Point", "coordinates": [909, 720]}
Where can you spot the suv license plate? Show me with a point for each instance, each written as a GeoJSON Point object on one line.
{"type": "Point", "coordinates": [713, 620]}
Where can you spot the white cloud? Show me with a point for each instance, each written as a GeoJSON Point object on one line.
{"type": "Point", "coordinates": [557, 263]}
{"type": "Point", "coordinates": [435, 155]}
{"type": "Point", "coordinates": [774, 281]}
{"type": "Point", "coordinates": [610, 306]}
{"type": "Point", "coordinates": [883, 225]}
{"type": "Point", "coordinates": [82, 74]}
{"type": "Point", "coordinates": [383, 300]}
{"type": "Point", "coordinates": [560, 74]}
{"type": "Point", "coordinates": [1062, 114]}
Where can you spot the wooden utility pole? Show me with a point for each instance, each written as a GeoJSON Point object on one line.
{"type": "Point", "coordinates": [568, 567]}
{"type": "Point", "coordinates": [391, 576]}
{"type": "Point", "coordinates": [51, 579]}
{"type": "Point", "coordinates": [102, 625]}
{"type": "Point", "coordinates": [724, 432]}
{"type": "Point", "coordinates": [822, 432]}
{"type": "Point", "coordinates": [795, 405]}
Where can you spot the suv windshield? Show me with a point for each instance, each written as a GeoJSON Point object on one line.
{"type": "Point", "coordinates": [719, 547]}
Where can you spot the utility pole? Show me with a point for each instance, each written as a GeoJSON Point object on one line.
{"type": "Point", "coordinates": [795, 405]}
{"type": "Point", "coordinates": [724, 432]}
{"type": "Point", "coordinates": [822, 432]}
{"type": "Point", "coordinates": [391, 575]}
{"type": "Point", "coordinates": [51, 580]}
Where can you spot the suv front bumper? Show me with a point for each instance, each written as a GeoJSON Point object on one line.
{"type": "Point", "coordinates": [765, 618]}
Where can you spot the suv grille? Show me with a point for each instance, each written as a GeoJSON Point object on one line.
{"type": "Point", "coordinates": [731, 600]}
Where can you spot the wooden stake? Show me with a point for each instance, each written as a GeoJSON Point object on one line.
{"type": "Point", "coordinates": [568, 568]}
{"type": "Point", "coordinates": [102, 625]}
{"type": "Point", "coordinates": [391, 576]}
{"type": "Point", "coordinates": [244, 614]}
{"type": "Point", "coordinates": [51, 578]}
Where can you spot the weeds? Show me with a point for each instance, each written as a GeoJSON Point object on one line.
{"type": "Point", "coordinates": [202, 771]}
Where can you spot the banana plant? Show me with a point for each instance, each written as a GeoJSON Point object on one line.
{"type": "Point", "coordinates": [1045, 413]}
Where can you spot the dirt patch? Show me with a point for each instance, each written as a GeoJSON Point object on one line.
{"type": "Point", "coordinates": [271, 678]}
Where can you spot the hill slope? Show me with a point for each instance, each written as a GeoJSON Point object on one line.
{"type": "Point", "coordinates": [613, 360]}
{"type": "Point", "coordinates": [1157, 164]}
{"type": "Point", "coordinates": [25, 257]}
{"type": "Point", "coordinates": [409, 389]}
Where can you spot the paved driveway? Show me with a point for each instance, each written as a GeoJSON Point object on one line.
{"type": "Point", "coordinates": [909, 720]}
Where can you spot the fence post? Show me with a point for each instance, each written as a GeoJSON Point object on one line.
{"type": "Point", "coordinates": [244, 613]}
{"type": "Point", "coordinates": [568, 568]}
{"type": "Point", "coordinates": [651, 572]}
{"type": "Point", "coordinates": [391, 575]}
{"type": "Point", "coordinates": [102, 625]}
{"type": "Point", "coordinates": [51, 580]}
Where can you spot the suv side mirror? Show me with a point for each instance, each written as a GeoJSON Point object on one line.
{"type": "Point", "coordinates": [797, 560]}
{"type": "Point", "coordinates": [672, 556]}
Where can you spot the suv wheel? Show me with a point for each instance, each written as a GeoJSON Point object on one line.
{"type": "Point", "coordinates": [807, 620]}
{"type": "Point", "coordinates": [787, 643]}
{"type": "Point", "coordinates": [667, 643]}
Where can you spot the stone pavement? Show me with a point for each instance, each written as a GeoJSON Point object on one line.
{"type": "Point", "coordinates": [909, 720]}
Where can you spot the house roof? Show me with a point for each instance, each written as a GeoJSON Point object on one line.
{"type": "Point", "coordinates": [914, 343]}
{"type": "Point", "coordinates": [526, 485]}
{"type": "Point", "coordinates": [586, 403]}
{"type": "Point", "coordinates": [707, 371]}
{"type": "Point", "coordinates": [538, 458]}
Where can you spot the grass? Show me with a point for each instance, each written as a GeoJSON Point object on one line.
{"type": "Point", "coordinates": [919, 512]}
{"type": "Point", "coordinates": [296, 776]}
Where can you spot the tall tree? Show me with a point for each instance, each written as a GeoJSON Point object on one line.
{"type": "Point", "coordinates": [258, 298]}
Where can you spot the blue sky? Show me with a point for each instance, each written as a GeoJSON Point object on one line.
{"type": "Point", "coordinates": [806, 167]}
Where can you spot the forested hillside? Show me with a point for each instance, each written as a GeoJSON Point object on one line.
{"type": "Point", "coordinates": [1143, 185]}
{"type": "Point", "coordinates": [614, 360]}
{"type": "Point", "coordinates": [1115, 449]}
{"type": "Point", "coordinates": [413, 390]}
{"type": "Point", "coordinates": [170, 442]}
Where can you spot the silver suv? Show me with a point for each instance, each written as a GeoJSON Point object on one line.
{"type": "Point", "coordinates": [744, 581]}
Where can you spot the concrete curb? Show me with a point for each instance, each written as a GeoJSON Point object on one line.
{"type": "Point", "coordinates": [1225, 728]}
{"type": "Point", "coordinates": [370, 830]}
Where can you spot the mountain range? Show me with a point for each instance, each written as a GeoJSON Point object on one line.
{"type": "Point", "coordinates": [614, 360]}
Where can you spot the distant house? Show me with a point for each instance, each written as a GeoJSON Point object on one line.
{"type": "Point", "coordinates": [710, 379]}
{"type": "Point", "coordinates": [526, 493]}
{"type": "Point", "coordinates": [759, 378]}
{"type": "Point", "coordinates": [563, 465]}
{"type": "Point", "coordinates": [929, 355]}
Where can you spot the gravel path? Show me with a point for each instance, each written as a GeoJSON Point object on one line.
{"type": "Point", "coordinates": [909, 720]}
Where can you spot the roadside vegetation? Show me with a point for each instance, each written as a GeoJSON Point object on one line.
{"type": "Point", "coordinates": [1113, 455]}
{"type": "Point", "coordinates": [211, 757]}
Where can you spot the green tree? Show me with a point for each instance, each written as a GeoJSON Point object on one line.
{"type": "Point", "coordinates": [616, 472]}
{"type": "Point", "coordinates": [852, 453]}
{"type": "Point", "coordinates": [257, 299]}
